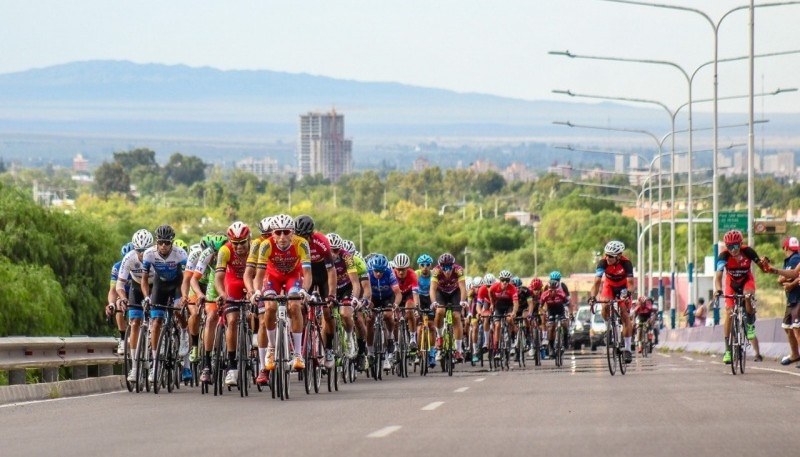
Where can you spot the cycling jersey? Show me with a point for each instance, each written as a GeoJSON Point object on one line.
{"type": "Point", "coordinates": [445, 283]}
{"type": "Point", "coordinates": [320, 249]}
{"type": "Point", "coordinates": [361, 266]}
{"type": "Point", "coordinates": [616, 274]}
{"type": "Point", "coordinates": [292, 259]}
{"type": "Point", "coordinates": [344, 268]}
{"type": "Point", "coordinates": [230, 263]}
{"type": "Point", "coordinates": [554, 297]}
{"type": "Point", "coordinates": [131, 268]}
{"type": "Point", "coordinates": [423, 283]}
{"type": "Point", "coordinates": [382, 289]}
{"type": "Point", "coordinates": [115, 272]}
{"type": "Point", "coordinates": [503, 295]}
{"type": "Point", "coordinates": [166, 268]}
{"type": "Point", "coordinates": [738, 267]}
{"type": "Point", "coordinates": [409, 283]}
{"type": "Point", "coordinates": [255, 248]}
{"type": "Point", "coordinates": [192, 257]}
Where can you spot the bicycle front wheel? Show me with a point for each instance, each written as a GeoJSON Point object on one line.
{"type": "Point", "coordinates": [128, 360]}
{"type": "Point", "coordinates": [160, 360]}
{"type": "Point", "coordinates": [611, 348]}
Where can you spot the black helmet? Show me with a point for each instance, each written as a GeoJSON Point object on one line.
{"type": "Point", "coordinates": [165, 232]}
{"type": "Point", "coordinates": [304, 225]}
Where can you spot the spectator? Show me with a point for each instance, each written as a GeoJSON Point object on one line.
{"type": "Point", "coordinates": [700, 313]}
{"type": "Point", "coordinates": [791, 318]}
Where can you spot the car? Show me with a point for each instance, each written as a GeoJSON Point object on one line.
{"type": "Point", "coordinates": [579, 328]}
{"type": "Point", "coordinates": [597, 331]}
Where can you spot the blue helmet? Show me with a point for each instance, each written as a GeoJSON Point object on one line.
{"type": "Point", "coordinates": [425, 258]}
{"type": "Point", "coordinates": [516, 281]}
{"type": "Point", "coordinates": [126, 248]}
{"type": "Point", "coordinates": [555, 276]}
{"type": "Point", "coordinates": [378, 262]}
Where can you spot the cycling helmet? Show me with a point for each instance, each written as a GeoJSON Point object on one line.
{"type": "Point", "coordinates": [142, 239]}
{"type": "Point", "coordinates": [425, 258]}
{"type": "Point", "coordinates": [504, 274]}
{"type": "Point", "coordinates": [468, 282]}
{"type": "Point", "coordinates": [126, 248]}
{"type": "Point", "coordinates": [263, 225]}
{"type": "Point", "coordinates": [334, 240]}
{"type": "Point", "coordinates": [489, 279]}
{"type": "Point", "coordinates": [733, 237]}
{"type": "Point", "coordinates": [304, 225]}
{"type": "Point", "coordinates": [536, 284]}
{"type": "Point", "coordinates": [447, 259]}
{"type": "Point", "coordinates": [165, 233]}
{"type": "Point", "coordinates": [401, 261]}
{"type": "Point", "coordinates": [477, 281]}
{"type": "Point", "coordinates": [216, 242]}
{"type": "Point", "coordinates": [555, 276]}
{"type": "Point", "coordinates": [614, 248]}
{"type": "Point", "coordinates": [378, 262]}
{"type": "Point", "coordinates": [181, 244]}
{"type": "Point", "coordinates": [349, 246]}
{"type": "Point", "coordinates": [282, 222]}
{"type": "Point", "coordinates": [238, 231]}
{"type": "Point", "coordinates": [516, 281]}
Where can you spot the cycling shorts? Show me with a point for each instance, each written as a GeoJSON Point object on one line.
{"type": "Point", "coordinates": [283, 283]}
{"type": "Point", "coordinates": [555, 313]}
{"type": "Point", "coordinates": [731, 288]}
{"type": "Point", "coordinates": [610, 292]}
{"type": "Point", "coordinates": [162, 292]}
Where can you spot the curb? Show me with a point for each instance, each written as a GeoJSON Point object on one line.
{"type": "Point", "coordinates": [51, 390]}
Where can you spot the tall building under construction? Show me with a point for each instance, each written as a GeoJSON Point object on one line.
{"type": "Point", "coordinates": [322, 148]}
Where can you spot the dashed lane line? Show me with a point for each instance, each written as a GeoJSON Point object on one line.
{"type": "Point", "coordinates": [775, 370]}
{"type": "Point", "coordinates": [480, 380]}
{"type": "Point", "coordinates": [461, 389]}
{"type": "Point", "coordinates": [384, 432]}
{"type": "Point", "coordinates": [432, 406]}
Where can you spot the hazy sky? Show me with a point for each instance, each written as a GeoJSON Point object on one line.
{"type": "Point", "coordinates": [494, 47]}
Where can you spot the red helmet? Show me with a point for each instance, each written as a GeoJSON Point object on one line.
{"type": "Point", "coordinates": [733, 237]}
{"type": "Point", "coordinates": [238, 231]}
{"type": "Point", "coordinates": [536, 284]}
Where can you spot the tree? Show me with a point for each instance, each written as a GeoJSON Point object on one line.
{"type": "Point", "coordinates": [141, 157]}
{"type": "Point", "coordinates": [2, 165]}
{"type": "Point", "coordinates": [184, 169]}
{"type": "Point", "coordinates": [110, 178]}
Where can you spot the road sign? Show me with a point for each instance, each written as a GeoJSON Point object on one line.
{"type": "Point", "coordinates": [766, 227]}
{"type": "Point", "coordinates": [732, 220]}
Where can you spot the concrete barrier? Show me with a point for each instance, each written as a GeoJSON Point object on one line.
{"type": "Point", "coordinates": [771, 339]}
{"type": "Point", "coordinates": [49, 390]}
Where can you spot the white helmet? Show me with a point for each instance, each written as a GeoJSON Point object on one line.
{"type": "Point", "coordinates": [488, 279]}
{"type": "Point", "coordinates": [282, 222]}
{"type": "Point", "coordinates": [349, 246]}
{"type": "Point", "coordinates": [401, 261]}
{"type": "Point", "coordinates": [142, 239]}
{"type": "Point", "coordinates": [505, 274]}
{"type": "Point", "coordinates": [477, 281]}
{"type": "Point", "coordinates": [614, 247]}
{"type": "Point", "coordinates": [264, 225]}
{"type": "Point", "coordinates": [468, 282]}
{"type": "Point", "coordinates": [334, 240]}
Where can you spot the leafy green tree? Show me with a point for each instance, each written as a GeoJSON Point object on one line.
{"type": "Point", "coordinates": [111, 178]}
{"type": "Point", "coordinates": [141, 157]}
{"type": "Point", "coordinates": [31, 301]}
{"type": "Point", "coordinates": [184, 169]}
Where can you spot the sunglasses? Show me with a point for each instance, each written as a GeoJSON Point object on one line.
{"type": "Point", "coordinates": [505, 280]}
{"type": "Point", "coordinates": [400, 270]}
{"type": "Point", "coordinates": [239, 242]}
{"type": "Point", "coordinates": [164, 242]}
{"type": "Point", "coordinates": [282, 232]}
{"type": "Point", "coordinates": [733, 246]}
{"type": "Point", "coordinates": [141, 250]}
{"type": "Point", "coordinates": [424, 265]}
{"type": "Point", "coordinates": [446, 267]}
{"type": "Point", "coordinates": [611, 257]}
{"type": "Point", "coordinates": [335, 250]}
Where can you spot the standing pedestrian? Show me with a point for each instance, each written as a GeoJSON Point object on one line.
{"type": "Point", "coordinates": [791, 318]}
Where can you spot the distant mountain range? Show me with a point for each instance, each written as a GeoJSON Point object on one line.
{"type": "Point", "coordinates": [122, 99]}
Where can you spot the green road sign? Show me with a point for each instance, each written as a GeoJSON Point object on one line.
{"type": "Point", "coordinates": [732, 220]}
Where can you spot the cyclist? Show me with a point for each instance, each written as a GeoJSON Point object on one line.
{"type": "Point", "coordinates": [347, 287]}
{"type": "Point", "coordinates": [736, 261]}
{"type": "Point", "coordinates": [229, 283]}
{"type": "Point", "coordinates": [645, 312]}
{"type": "Point", "coordinates": [477, 283]}
{"type": "Point", "coordinates": [534, 314]}
{"type": "Point", "coordinates": [409, 289]}
{"type": "Point", "coordinates": [503, 303]}
{"type": "Point", "coordinates": [167, 263]}
{"type": "Point", "coordinates": [249, 276]}
{"type": "Point", "coordinates": [203, 292]}
{"type": "Point", "coordinates": [616, 273]}
{"type": "Point", "coordinates": [482, 298]}
{"type": "Point", "coordinates": [113, 296]}
{"type": "Point", "coordinates": [525, 306]}
{"type": "Point", "coordinates": [383, 290]}
{"type": "Point", "coordinates": [425, 262]}
{"type": "Point", "coordinates": [448, 283]}
{"type": "Point", "coordinates": [129, 289]}
{"type": "Point", "coordinates": [284, 266]}
{"type": "Point", "coordinates": [556, 303]}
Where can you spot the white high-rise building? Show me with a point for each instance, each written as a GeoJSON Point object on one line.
{"type": "Point", "coordinates": [322, 148]}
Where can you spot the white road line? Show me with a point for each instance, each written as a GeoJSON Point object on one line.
{"type": "Point", "coordinates": [664, 355]}
{"type": "Point", "coordinates": [461, 389]}
{"type": "Point", "coordinates": [775, 370]}
{"type": "Point", "coordinates": [717, 363]}
{"type": "Point", "coordinates": [432, 406]}
{"type": "Point", "coordinates": [77, 397]}
{"type": "Point", "coordinates": [384, 432]}
{"type": "Point", "coordinates": [480, 380]}
{"type": "Point", "coordinates": [688, 358]}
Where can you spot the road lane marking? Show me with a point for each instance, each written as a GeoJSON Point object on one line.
{"type": "Point", "coordinates": [432, 406]}
{"type": "Point", "coordinates": [717, 363]}
{"type": "Point", "coordinates": [461, 389]}
{"type": "Point", "coordinates": [688, 358]}
{"type": "Point", "coordinates": [776, 371]}
{"type": "Point", "coordinates": [480, 380]}
{"type": "Point", "coordinates": [664, 355]}
{"type": "Point", "coordinates": [384, 432]}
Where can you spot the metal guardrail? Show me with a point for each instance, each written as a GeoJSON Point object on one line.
{"type": "Point", "coordinates": [18, 353]}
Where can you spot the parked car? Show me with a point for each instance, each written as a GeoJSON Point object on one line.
{"type": "Point", "coordinates": [597, 331]}
{"type": "Point", "coordinates": [579, 328]}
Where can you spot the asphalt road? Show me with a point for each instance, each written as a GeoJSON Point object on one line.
{"type": "Point", "coordinates": [669, 404]}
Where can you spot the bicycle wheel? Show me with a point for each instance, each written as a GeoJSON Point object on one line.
{"type": "Point", "coordinates": [536, 342]}
{"type": "Point", "coordinates": [520, 347]}
{"type": "Point", "coordinates": [218, 360]}
{"type": "Point", "coordinates": [128, 360]}
{"type": "Point", "coordinates": [558, 346]}
{"type": "Point", "coordinates": [620, 353]}
{"type": "Point", "coordinates": [139, 358]}
{"type": "Point", "coordinates": [160, 360]}
{"type": "Point", "coordinates": [308, 371]}
{"type": "Point", "coordinates": [733, 340]}
{"type": "Point", "coordinates": [171, 365]}
{"type": "Point", "coordinates": [243, 359]}
{"type": "Point", "coordinates": [611, 347]}
{"type": "Point", "coordinates": [402, 345]}
{"type": "Point", "coordinates": [377, 345]}
{"type": "Point", "coordinates": [742, 343]}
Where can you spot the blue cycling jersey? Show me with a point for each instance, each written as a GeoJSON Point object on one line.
{"type": "Point", "coordinates": [424, 283]}
{"type": "Point", "coordinates": [382, 288]}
